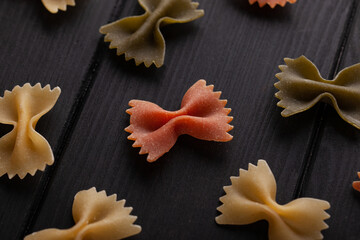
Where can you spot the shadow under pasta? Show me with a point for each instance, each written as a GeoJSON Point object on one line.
{"type": "Point", "coordinates": [5, 129]}
{"type": "Point", "coordinates": [20, 187]}
{"type": "Point", "coordinates": [51, 22]}
{"type": "Point", "coordinates": [149, 74]}
{"type": "Point", "coordinates": [342, 128]}
{"type": "Point", "coordinates": [266, 12]}
{"type": "Point", "coordinates": [257, 230]}
{"type": "Point", "coordinates": [210, 150]}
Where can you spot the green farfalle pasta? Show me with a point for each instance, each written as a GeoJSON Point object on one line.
{"type": "Point", "coordinates": [301, 87]}
{"type": "Point", "coordinates": [139, 37]}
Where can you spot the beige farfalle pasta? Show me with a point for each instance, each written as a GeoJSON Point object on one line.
{"type": "Point", "coordinates": [54, 5]}
{"type": "Point", "coordinates": [139, 37]}
{"type": "Point", "coordinates": [301, 87]}
{"type": "Point", "coordinates": [252, 197]}
{"type": "Point", "coordinates": [97, 216]}
{"type": "Point", "coordinates": [23, 150]}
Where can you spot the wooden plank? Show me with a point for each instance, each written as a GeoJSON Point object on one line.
{"type": "Point", "coordinates": [336, 160]}
{"type": "Point", "coordinates": [37, 46]}
{"type": "Point", "coordinates": [237, 48]}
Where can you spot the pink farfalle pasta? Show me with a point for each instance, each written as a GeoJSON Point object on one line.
{"type": "Point", "coordinates": [97, 216]}
{"type": "Point", "coordinates": [23, 150]}
{"type": "Point", "coordinates": [53, 6]}
{"type": "Point", "coordinates": [271, 3]}
{"type": "Point", "coordinates": [202, 115]}
{"type": "Point", "coordinates": [252, 197]}
{"type": "Point", "coordinates": [356, 184]}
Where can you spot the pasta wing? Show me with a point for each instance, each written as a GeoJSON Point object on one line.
{"type": "Point", "coordinates": [23, 150]}
{"type": "Point", "coordinates": [202, 115]}
{"type": "Point", "coordinates": [301, 87]}
{"type": "Point", "coordinates": [53, 6]}
{"type": "Point", "coordinates": [97, 216]}
{"type": "Point", "coordinates": [245, 200]}
{"type": "Point", "coordinates": [252, 197]}
{"type": "Point", "coordinates": [356, 184]}
{"type": "Point", "coordinates": [271, 3]}
{"type": "Point", "coordinates": [139, 37]}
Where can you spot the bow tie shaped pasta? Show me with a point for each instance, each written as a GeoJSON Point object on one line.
{"type": "Point", "coordinates": [356, 184]}
{"type": "Point", "coordinates": [202, 115]}
{"type": "Point", "coordinates": [301, 87]}
{"type": "Point", "coordinates": [251, 198]}
{"type": "Point", "coordinates": [23, 150]}
{"type": "Point", "coordinates": [54, 5]}
{"type": "Point", "coordinates": [96, 216]}
{"type": "Point", "coordinates": [139, 37]}
{"type": "Point", "coordinates": [271, 3]}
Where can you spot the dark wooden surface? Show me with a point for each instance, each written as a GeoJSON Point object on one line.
{"type": "Point", "coordinates": [236, 47]}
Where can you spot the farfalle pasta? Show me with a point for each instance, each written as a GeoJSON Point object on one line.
{"type": "Point", "coordinates": [23, 150]}
{"type": "Point", "coordinates": [301, 87]}
{"type": "Point", "coordinates": [202, 115]}
{"type": "Point", "coordinates": [252, 197]}
{"type": "Point", "coordinates": [53, 6]}
{"type": "Point", "coordinates": [97, 217]}
{"type": "Point", "coordinates": [271, 3]}
{"type": "Point", "coordinates": [139, 37]}
{"type": "Point", "coordinates": [356, 184]}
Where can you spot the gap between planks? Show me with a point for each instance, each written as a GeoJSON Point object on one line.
{"type": "Point", "coordinates": [69, 126]}
{"type": "Point", "coordinates": [318, 126]}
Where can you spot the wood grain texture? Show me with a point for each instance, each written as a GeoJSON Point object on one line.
{"type": "Point", "coordinates": [237, 48]}
{"type": "Point", "coordinates": [37, 46]}
{"type": "Point", "coordinates": [336, 159]}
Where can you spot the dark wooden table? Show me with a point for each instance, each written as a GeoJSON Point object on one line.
{"type": "Point", "coordinates": [236, 47]}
